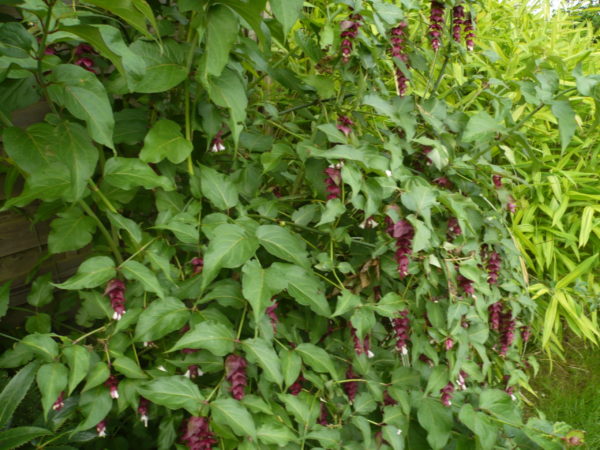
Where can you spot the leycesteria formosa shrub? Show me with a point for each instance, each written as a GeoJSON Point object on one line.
{"type": "Point", "coordinates": [289, 239]}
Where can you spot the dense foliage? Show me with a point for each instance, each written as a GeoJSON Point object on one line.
{"type": "Point", "coordinates": [296, 234]}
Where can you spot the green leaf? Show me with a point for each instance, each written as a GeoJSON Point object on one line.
{"type": "Point", "coordinates": [84, 96]}
{"type": "Point", "coordinates": [42, 345]}
{"type": "Point", "coordinates": [4, 298]}
{"type": "Point", "coordinates": [283, 244]}
{"type": "Point", "coordinates": [79, 361]}
{"type": "Point", "coordinates": [499, 404]}
{"type": "Point", "coordinates": [128, 173]}
{"type": "Point", "coordinates": [30, 149]}
{"type": "Point", "coordinates": [165, 67]}
{"type": "Point", "coordinates": [15, 437]}
{"type": "Point", "coordinates": [174, 392]}
{"type": "Point", "coordinates": [95, 406]}
{"type": "Point", "coordinates": [167, 434]}
{"type": "Point", "coordinates": [218, 188]}
{"type": "Point", "coordinates": [212, 336]}
{"type": "Point", "coordinates": [123, 223]}
{"type": "Point", "coordinates": [39, 323]}
{"type": "Point", "coordinates": [304, 287]}
{"type": "Point", "coordinates": [303, 407]}
{"type": "Point", "coordinates": [251, 12]}
{"type": "Point", "coordinates": [582, 268]}
{"type": "Point", "coordinates": [77, 152]}
{"type": "Point", "coordinates": [228, 91]}
{"type": "Point", "coordinates": [218, 43]}
{"type": "Point", "coordinates": [164, 140]}
{"type": "Point", "coordinates": [291, 365]}
{"type": "Point", "coordinates": [51, 380]}
{"type": "Point", "coordinates": [128, 367]}
{"type": "Point", "coordinates": [328, 438]}
{"type": "Point", "coordinates": [317, 359]}
{"type": "Point", "coordinates": [134, 12]}
{"type": "Point", "coordinates": [233, 414]}
{"type": "Point", "coordinates": [480, 424]}
{"type": "Point", "coordinates": [41, 291]}
{"type": "Point", "coordinates": [420, 199]}
{"type": "Point", "coordinates": [71, 231]}
{"type": "Point", "coordinates": [133, 270]}
{"type": "Point", "coordinates": [257, 287]}
{"type": "Point", "coordinates": [481, 127]}
{"type": "Point", "coordinates": [93, 272]}
{"type": "Point", "coordinates": [437, 420]}
{"type": "Point", "coordinates": [275, 434]}
{"type": "Point", "coordinates": [15, 390]}
{"type": "Point", "coordinates": [287, 12]}
{"type": "Point", "coordinates": [566, 121]}
{"type": "Point", "coordinates": [16, 41]}
{"type": "Point", "coordinates": [363, 320]}
{"type": "Point", "coordinates": [231, 247]}
{"type": "Point", "coordinates": [98, 375]}
{"type": "Point", "coordinates": [259, 351]}
{"type": "Point", "coordinates": [161, 318]}
{"type": "Point", "coordinates": [346, 301]}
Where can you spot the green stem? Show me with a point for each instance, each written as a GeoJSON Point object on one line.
{"type": "Point", "coordinates": [191, 35]}
{"type": "Point", "coordinates": [9, 337]}
{"type": "Point", "coordinates": [81, 338]}
{"type": "Point", "coordinates": [112, 244]}
{"type": "Point", "coordinates": [292, 224]}
{"type": "Point", "coordinates": [55, 438]}
{"type": "Point", "coordinates": [442, 71]}
{"type": "Point", "coordinates": [39, 75]}
{"type": "Point", "coordinates": [105, 200]}
{"type": "Point", "coordinates": [241, 325]}
{"type": "Point", "coordinates": [141, 249]}
{"type": "Point", "coordinates": [5, 120]}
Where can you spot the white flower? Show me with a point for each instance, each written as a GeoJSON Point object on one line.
{"type": "Point", "coordinates": [162, 368]}
{"type": "Point", "coordinates": [102, 433]}
{"type": "Point", "coordinates": [114, 393]}
{"type": "Point", "coordinates": [370, 354]}
{"type": "Point", "coordinates": [144, 419]}
{"type": "Point", "coordinates": [217, 147]}
{"type": "Point", "coordinates": [388, 173]}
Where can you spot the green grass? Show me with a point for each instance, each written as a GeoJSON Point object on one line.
{"type": "Point", "coordinates": [569, 391]}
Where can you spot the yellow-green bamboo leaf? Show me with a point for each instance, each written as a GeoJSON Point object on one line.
{"type": "Point", "coordinates": [586, 225]}
{"type": "Point", "coordinates": [577, 272]}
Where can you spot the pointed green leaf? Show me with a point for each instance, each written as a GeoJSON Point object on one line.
{"type": "Point", "coordinates": [42, 345]}
{"type": "Point", "coordinates": [317, 359]}
{"type": "Point", "coordinates": [15, 390]}
{"type": "Point", "coordinates": [566, 121]}
{"type": "Point", "coordinates": [212, 336]}
{"type": "Point", "coordinates": [286, 12]}
{"type": "Point", "coordinates": [98, 375]}
{"type": "Point", "coordinates": [71, 231]}
{"type": "Point", "coordinates": [218, 43]}
{"type": "Point", "coordinates": [283, 243]}
{"type": "Point", "coordinates": [304, 287]}
{"type": "Point", "coordinates": [128, 173]}
{"type": "Point", "coordinates": [174, 392]}
{"type": "Point", "coordinates": [275, 434]}
{"type": "Point", "coordinates": [232, 413]}
{"type": "Point", "coordinates": [51, 380]}
{"type": "Point", "coordinates": [346, 301]}
{"type": "Point", "coordinates": [95, 406]}
{"type": "Point", "coordinates": [15, 437]}
{"type": "Point", "coordinates": [79, 361]}
{"type": "Point", "coordinates": [257, 287]}
{"type": "Point", "coordinates": [133, 270]}
{"type": "Point", "coordinates": [94, 272]}
{"type": "Point", "coordinates": [128, 367]}
{"type": "Point", "coordinates": [259, 351]}
{"type": "Point", "coordinates": [161, 318]}
{"type": "Point", "coordinates": [164, 140]}
{"type": "Point", "coordinates": [437, 420]}
{"type": "Point", "coordinates": [84, 96]}
{"type": "Point", "coordinates": [218, 188]}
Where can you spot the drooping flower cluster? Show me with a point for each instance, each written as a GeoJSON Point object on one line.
{"type": "Point", "coordinates": [493, 267]}
{"type": "Point", "coordinates": [198, 264]}
{"type": "Point", "coordinates": [436, 24]}
{"type": "Point", "coordinates": [469, 32]}
{"type": "Point", "coordinates": [235, 370]}
{"type": "Point", "coordinates": [511, 206]}
{"type": "Point", "coordinates": [401, 329]}
{"type": "Point", "coordinates": [458, 16]}
{"type": "Point", "coordinates": [193, 371]}
{"type": "Point", "coordinates": [447, 392]}
{"type": "Point", "coordinates": [349, 29]}
{"type": "Point", "coordinates": [448, 343]}
{"type": "Point", "coordinates": [497, 180]}
{"type": "Point", "coordinates": [507, 331]}
{"type": "Point", "coordinates": [272, 314]}
{"type": "Point", "coordinates": [466, 285]}
{"type": "Point", "coordinates": [323, 416]}
{"type": "Point", "coordinates": [403, 232]}
{"type": "Point", "coordinates": [113, 385]}
{"type": "Point", "coordinates": [115, 289]}
{"type": "Point", "coordinates": [59, 403]}
{"type": "Point", "coordinates": [360, 347]}
{"type": "Point", "coordinates": [101, 428]}
{"type": "Point", "coordinates": [197, 434]}
{"type": "Point", "coordinates": [296, 387]}
{"type": "Point", "coordinates": [525, 333]}
{"type": "Point", "coordinates": [461, 380]}
{"type": "Point", "coordinates": [398, 50]}
{"type": "Point", "coordinates": [495, 311]}
{"type": "Point", "coordinates": [83, 53]}
{"type": "Point", "coordinates": [333, 181]}
{"type": "Point", "coordinates": [443, 182]}
{"type": "Point", "coordinates": [453, 228]}
{"type": "Point", "coordinates": [350, 387]}
{"type": "Point", "coordinates": [345, 125]}
{"type": "Point", "coordinates": [217, 145]}
{"type": "Point", "coordinates": [143, 410]}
